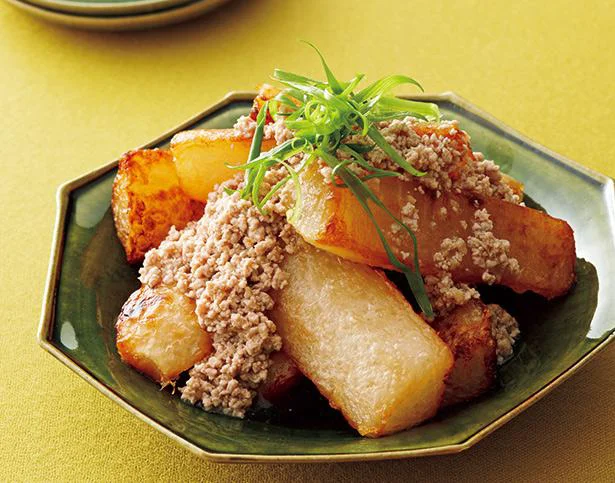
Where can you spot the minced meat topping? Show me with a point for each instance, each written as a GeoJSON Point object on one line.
{"type": "Point", "coordinates": [277, 130]}
{"type": "Point", "coordinates": [443, 292]}
{"type": "Point", "coordinates": [410, 214]}
{"type": "Point", "coordinates": [444, 153]}
{"type": "Point", "coordinates": [505, 331]}
{"type": "Point", "coordinates": [487, 251]}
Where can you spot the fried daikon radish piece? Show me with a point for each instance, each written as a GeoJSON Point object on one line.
{"type": "Point", "coordinates": [335, 221]}
{"type": "Point", "coordinates": [467, 332]}
{"type": "Point", "coordinates": [158, 334]}
{"type": "Point", "coordinates": [201, 157]}
{"type": "Point", "coordinates": [283, 375]}
{"type": "Point", "coordinates": [356, 337]}
{"type": "Point", "coordinates": [147, 200]}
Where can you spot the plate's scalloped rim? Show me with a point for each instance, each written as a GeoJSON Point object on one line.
{"type": "Point", "coordinates": [46, 322]}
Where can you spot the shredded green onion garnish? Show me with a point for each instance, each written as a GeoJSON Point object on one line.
{"type": "Point", "coordinates": [322, 114]}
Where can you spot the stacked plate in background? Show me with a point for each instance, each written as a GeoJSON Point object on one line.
{"type": "Point", "coordinates": [116, 14]}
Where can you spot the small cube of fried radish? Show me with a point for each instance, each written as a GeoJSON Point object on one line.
{"type": "Point", "coordinates": [352, 333]}
{"type": "Point", "coordinates": [147, 200]}
{"type": "Point", "coordinates": [467, 332]}
{"type": "Point", "coordinates": [201, 158]}
{"type": "Point", "coordinates": [157, 333]}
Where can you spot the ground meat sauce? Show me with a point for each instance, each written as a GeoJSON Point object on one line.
{"type": "Point", "coordinates": [505, 331]}
{"type": "Point", "coordinates": [443, 152]}
{"type": "Point", "coordinates": [489, 252]}
{"type": "Point", "coordinates": [443, 292]}
{"type": "Point", "coordinates": [229, 260]}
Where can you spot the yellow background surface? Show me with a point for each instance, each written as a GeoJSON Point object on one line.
{"type": "Point", "coordinates": [70, 101]}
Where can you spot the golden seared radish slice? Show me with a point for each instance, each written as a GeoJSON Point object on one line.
{"type": "Point", "coordinates": [282, 376]}
{"type": "Point", "coordinates": [158, 334]}
{"type": "Point", "coordinates": [201, 157]}
{"type": "Point", "coordinates": [355, 336]}
{"type": "Point", "coordinates": [544, 246]}
{"type": "Point", "coordinates": [467, 332]}
{"type": "Point", "coordinates": [147, 200]}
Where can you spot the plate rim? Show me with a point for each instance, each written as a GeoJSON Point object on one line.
{"type": "Point", "coordinates": [139, 21]}
{"type": "Point", "coordinates": [104, 9]}
{"type": "Point", "coordinates": [49, 297]}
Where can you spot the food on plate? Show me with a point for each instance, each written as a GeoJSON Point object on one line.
{"type": "Point", "coordinates": [264, 267]}
{"type": "Point", "coordinates": [147, 200]}
{"type": "Point", "coordinates": [159, 335]}
{"type": "Point", "coordinates": [350, 346]}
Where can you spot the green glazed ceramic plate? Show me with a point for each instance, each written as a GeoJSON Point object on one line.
{"type": "Point", "coordinates": [116, 20]}
{"type": "Point", "coordinates": [89, 281]}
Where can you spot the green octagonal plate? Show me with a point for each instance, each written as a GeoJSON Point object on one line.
{"type": "Point", "coordinates": [89, 281]}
